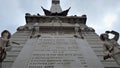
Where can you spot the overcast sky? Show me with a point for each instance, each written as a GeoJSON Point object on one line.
{"type": "Point", "coordinates": [102, 15]}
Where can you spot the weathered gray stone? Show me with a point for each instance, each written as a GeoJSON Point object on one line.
{"type": "Point", "coordinates": [25, 54]}
{"type": "Point", "coordinates": [57, 52]}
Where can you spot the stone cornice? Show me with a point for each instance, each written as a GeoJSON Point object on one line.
{"type": "Point", "coordinates": [66, 19]}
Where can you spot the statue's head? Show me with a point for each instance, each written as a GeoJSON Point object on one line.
{"type": "Point", "coordinates": [6, 34]}
{"type": "Point", "coordinates": [104, 36]}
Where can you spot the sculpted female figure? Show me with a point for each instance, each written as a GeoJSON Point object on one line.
{"type": "Point", "coordinates": [111, 47]}
{"type": "Point", "coordinates": [4, 44]}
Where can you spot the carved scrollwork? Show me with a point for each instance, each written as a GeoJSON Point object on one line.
{"type": "Point", "coordinates": [88, 29]}
{"type": "Point", "coordinates": [23, 28]}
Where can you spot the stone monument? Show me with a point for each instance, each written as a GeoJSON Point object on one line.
{"type": "Point", "coordinates": [56, 40]}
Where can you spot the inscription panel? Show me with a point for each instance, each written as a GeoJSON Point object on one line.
{"type": "Point", "coordinates": [57, 53]}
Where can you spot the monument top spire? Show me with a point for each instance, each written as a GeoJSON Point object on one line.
{"type": "Point", "coordinates": [55, 9]}
{"type": "Point", "coordinates": [56, 1]}
{"type": "Point", "coordinates": [55, 6]}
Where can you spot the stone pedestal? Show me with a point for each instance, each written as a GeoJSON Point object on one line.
{"type": "Point", "coordinates": [57, 52]}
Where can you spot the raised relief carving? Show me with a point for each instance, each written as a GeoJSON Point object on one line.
{"type": "Point", "coordinates": [78, 32]}
{"type": "Point", "coordinates": [35, 31]}
{"type": "Point", "coordinates": [111, 47]}
{"type": "Point", "coordinates": [22, 28]}
{"type": "Point", "coordinates": [89, 29]}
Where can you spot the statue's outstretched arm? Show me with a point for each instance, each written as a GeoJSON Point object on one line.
{"type": "Point", "coordinates": [8, 48]}
{"type": "Point", "coordinates": [116, 37]}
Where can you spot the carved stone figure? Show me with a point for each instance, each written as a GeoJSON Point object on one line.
{"type": "Point", "coordinates": [78, 33]}
{"type": "Point", "coordinates": [111, 47]}
{"type": "Point", "coordinates": [35, 31]}
{"type": "Point", "coordinates": [4, 44]}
